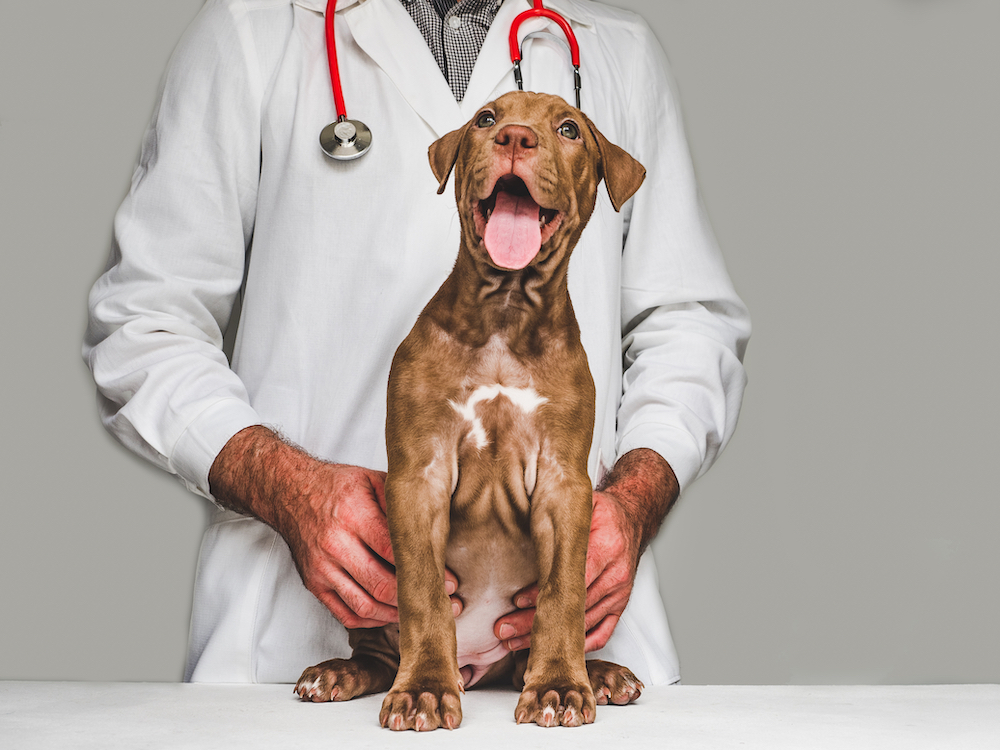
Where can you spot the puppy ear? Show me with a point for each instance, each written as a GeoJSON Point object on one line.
{"type": "Point", "coordinates": [443, 153]}
{"type": "Point", "coordinates": [622, 174]}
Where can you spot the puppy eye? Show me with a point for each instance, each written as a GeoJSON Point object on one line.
{"type": "Point", "coordinates": [569, 129]}
{"type": "Point", "coordinates": [486, 120]}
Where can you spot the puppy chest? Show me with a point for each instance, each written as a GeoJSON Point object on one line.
{"type": "Point", "coordinates": [496, 416]}
{"type": "Point", "coordinates": [498, 430]}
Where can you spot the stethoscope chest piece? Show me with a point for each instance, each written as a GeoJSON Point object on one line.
{"type": "Point", "coordinates": [345, 139]}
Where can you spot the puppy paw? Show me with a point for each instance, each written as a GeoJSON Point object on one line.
{"type": "Point", "coordinates": [340, 680]}
{"type": "Point", "coordinates": [613, 683]}
{"type": "Point", "coordinates": [421, 707]}
{"type": "Point", "coordinates": [567, 705]}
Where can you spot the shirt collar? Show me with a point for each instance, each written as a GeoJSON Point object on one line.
{"type": "Point", "coordinates": [480, 5]}
{"type": "Point", "coordinates": [320, 5]}
{"type": "Point", "coordinates": [571, 9]}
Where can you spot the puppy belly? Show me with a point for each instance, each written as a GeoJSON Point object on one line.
{"type": "Point", "coordinates": [488, 577]}
{"type": "Point", "coordinates": [478, 647]}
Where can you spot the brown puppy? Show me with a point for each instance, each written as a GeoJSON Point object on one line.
{"type": "Point", "coordinates": [490, 421]}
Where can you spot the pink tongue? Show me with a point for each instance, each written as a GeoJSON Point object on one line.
{"type": "Point", "coordinates": [513, 235]}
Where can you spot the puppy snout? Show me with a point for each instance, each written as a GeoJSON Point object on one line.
{"type": "Point", "coordinates": [514, 138]}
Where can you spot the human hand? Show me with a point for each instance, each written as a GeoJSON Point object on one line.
{"type": "Point", "coordinates": [332, 516]}
{"type": "Point", "coordinates": [612, 559]}
{"type": "Point", "coordinates": [337, 533]}
{"type": "Point", "coordinates": [339, 538]}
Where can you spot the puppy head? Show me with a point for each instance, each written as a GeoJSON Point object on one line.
{"type": "Point", "coordinates": [527, 167]}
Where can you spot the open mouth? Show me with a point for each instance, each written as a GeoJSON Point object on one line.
{"type": "Point", "coordinates": [512, 225]}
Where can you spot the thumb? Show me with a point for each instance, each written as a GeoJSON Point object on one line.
{"type": "Point", "coordinates": [526, 597]}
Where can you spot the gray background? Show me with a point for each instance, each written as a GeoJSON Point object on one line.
{"type": "Point", "coordinates": [848, 154]}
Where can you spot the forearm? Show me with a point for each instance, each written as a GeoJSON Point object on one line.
{"type": "Point", "coordinates": [330, 515]}
{"type": "Point", "coordinates": [258, 474]}
{"type": "Point", "coordinates": [645, 488]}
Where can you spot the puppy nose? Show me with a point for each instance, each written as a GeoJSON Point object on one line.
{"type": "Point", "coordinates": [516, 136]}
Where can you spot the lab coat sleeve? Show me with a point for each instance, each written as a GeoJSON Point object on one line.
{"type": "Point", "coordinates": [684, 329]}
{"type": "Point", "coordinates": [158, 313]}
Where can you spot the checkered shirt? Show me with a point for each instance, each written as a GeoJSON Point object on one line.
{"type": "Point", "coordinates": [455, 32]}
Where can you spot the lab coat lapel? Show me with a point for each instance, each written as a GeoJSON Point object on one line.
{"type": "Point", "coordinates": [387, 34]}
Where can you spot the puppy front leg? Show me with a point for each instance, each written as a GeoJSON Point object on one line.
{"type": "Point", "coordinates": [557, 689]}
{"type": "Point", "coordinates": [425, 694]}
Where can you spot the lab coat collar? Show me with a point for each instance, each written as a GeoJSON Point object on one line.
{"type": "Point", "coordinates": [385, 31]}
{"type": "Point", "coordinates": [572, 10]}
{"type": "Point", "coordinates": [320, 5]}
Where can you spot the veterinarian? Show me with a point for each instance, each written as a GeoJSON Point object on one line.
{"type": "Point", "coordinates": [233, 200]}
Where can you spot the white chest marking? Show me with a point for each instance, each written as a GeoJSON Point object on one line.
{"type": "Point", "coordinates": [526, 399]}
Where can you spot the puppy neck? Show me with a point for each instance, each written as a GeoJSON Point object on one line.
{"type": "Point", "coordinates": [528, 307]}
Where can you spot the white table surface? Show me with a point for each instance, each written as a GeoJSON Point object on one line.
{"type": "Point", "coordinates": [69, 715]}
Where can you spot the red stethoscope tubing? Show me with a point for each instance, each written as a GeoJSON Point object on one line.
{"type": "Point", "coordinates": [540, 11]}
{"type": "Point", "coordinates": [515, 53]}
{"type": "Point", "coordinates": [331, 56]}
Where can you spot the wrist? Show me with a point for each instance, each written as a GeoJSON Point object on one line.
{"type": "Point", "coordinates": [256, 473]}
{"type": "Point", "coordinates": [643, 488]}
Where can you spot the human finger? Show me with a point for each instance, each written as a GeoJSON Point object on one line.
{"type": "Point", "coordinates": [514, 630]}
{"type": "Point", "coordinates": [609, 605]}
{"type": "Point", "coordinates": [357, 596]}
{"type": "Point", "coordinates": [344, 614]}
{"type": "Point", "coordinates": [598, 637]}
{"type": "Point", "coordinates": [526, 597]}
{"type": "Point", "coordinates": [515, 626]}
{"type": "Point", "coordinates": [377, 481]}
{"type": "Point", "coordinates": [450, 587]}
{"type": "Point", "coordinates": [597, 561]}
{"type": "Point", "coordinates": [518, 644]}
{"type": "Point", "coordinates": [364, 606]}
{"type": "Point", "coordinates": [368, 521]}
{"type": "Point", "coordinates": [368, 571]}
{"type": "Point", "coordinates": [614, 580]}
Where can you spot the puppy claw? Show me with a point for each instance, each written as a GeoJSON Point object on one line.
{"type": "Point", "coordinates": [568, 706]}
{"type": "Point", "coordinates": [548, 718]}
{"type": "Point", "coordinates": [421, 709]}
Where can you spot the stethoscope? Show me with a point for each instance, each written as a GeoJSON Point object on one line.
{"type": "Point", "coordinates": [350, 139]}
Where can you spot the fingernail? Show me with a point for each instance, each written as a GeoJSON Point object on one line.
{"type": "Point", "coordinates": [450, 587]}
{"type": "Point", "coordinates": [514, 645]}
{"type": "Point", "coordinates": [456, 609]}
{"type": "Point", "coordinates": [523, 602]}
{"type": "Point", "coordinates": [506, 631]}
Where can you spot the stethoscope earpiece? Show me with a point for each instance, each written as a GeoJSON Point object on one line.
{"type": "Point", "coordinates": [351, 139]}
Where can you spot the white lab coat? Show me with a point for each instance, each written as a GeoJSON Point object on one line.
{"type": "Point", "coordinates": [343, 256]}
